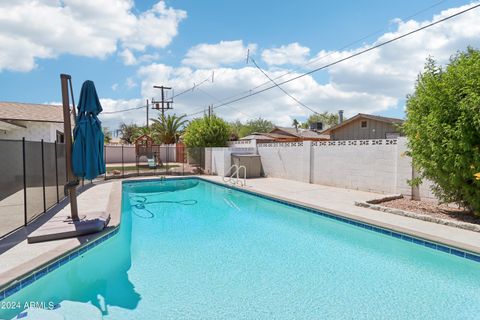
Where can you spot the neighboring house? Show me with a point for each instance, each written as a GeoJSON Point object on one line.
{"type": "Point", "coordinates": [259, 137]}
{"type": "Point", "coordinates": [292, 134]}
{"type": "Point", "coordinates": [33, 122]}
{"type": "Point", "coordinates": [284, 134]}
{"type": "Point", "coordinates": [365, 126]}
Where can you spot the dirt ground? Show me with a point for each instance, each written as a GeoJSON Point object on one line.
{"type": "Point", "coordinates": [450, 212]}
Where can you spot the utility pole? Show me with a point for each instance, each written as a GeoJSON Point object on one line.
{"type": "Point", "coordinates": [210, 111]}
{"type": "Point", "coordinates": [163, 104]}
{"type": "Point", "coordinates": [147, 113]}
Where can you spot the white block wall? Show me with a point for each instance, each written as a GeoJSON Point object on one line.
{"type": "Point", "coordinates": [287, 160]}
{"type": "Point", "coordinates": [364, 165]}
{"type": "Point", "coordinates": [371, 165]}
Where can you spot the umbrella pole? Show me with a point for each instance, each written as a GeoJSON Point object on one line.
{"type": "Point", "coordinates": [72, 181]}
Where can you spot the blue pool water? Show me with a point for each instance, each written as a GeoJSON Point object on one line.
{"type": "Point", "coordinates": [189, 249]}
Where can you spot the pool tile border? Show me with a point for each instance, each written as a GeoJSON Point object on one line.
{"type": "Point", "coordinates": [55, 264]}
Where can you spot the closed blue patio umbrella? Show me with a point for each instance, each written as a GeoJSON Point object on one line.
{"type": "Point", "coordinates": [87, 153]}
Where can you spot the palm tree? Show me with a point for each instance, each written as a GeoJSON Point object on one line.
{"type": "Point", "coordinates": [295, 124]}
{"type": "Point", "coordinates": [129, 132]}
{"type": "Point", "coordinates": [167, 129]}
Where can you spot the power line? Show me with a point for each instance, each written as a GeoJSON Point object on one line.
{"type": "Point", "coordinates": [350, 56]}
{"type": "Point", "coordinates": [283, 90]}
{"type": "Point", "coordinates": [215, 98]}
{"type": "Point", "coordinates": [124, 110]}
{"type": "Point", "coordinates": [329, 54]}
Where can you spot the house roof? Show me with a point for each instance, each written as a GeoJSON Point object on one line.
{"type": "Point", "coordinates": [30, 112]}
{"type": "Point", "coordinates": [300, 133]}
{"type": "Point", "coordinates": [363, 116]}
{"type": "Point", "coordinates": [257, 136]}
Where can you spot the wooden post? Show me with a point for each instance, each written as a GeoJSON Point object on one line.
{"type": "Point", "coordinates": [67, 131]}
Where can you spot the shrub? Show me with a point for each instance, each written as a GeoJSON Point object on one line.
{"type": "Point", "coordinates": [443, 127]}
{"type": "Point", "coordinates": [207, 132]}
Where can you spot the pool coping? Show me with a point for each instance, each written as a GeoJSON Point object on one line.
{"type": "Point", "coordinates": [114, 206]}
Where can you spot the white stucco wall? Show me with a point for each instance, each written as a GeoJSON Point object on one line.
{"type": "Point", "coordinates": [34, 131]}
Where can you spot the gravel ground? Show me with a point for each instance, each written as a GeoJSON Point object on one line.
{"type": "Point", "coordinates": [432, 209]}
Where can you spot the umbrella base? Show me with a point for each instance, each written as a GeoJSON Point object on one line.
{"type": "Point", "coordinates": [62, 227]}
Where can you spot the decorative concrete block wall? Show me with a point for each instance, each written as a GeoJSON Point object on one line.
{"type": "Point", "coordinates": [371, 165]}
{"type": "Point", "coordinates": [368, 165]}
{"type": "Point", "coordinates": [287, 160]}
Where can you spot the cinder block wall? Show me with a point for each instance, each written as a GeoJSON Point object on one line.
{"type": "Point", "coordinates": [370, 165]}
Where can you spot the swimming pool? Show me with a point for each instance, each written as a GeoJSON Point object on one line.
{"type": "Point", "coordinates": [191, 249]}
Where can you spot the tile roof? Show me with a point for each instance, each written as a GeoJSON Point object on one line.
{"type": "Point", "coordinates": [30, 112]}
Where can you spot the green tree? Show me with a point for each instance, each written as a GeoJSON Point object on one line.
{"type": "Point", "coordinates": [207, 132]}
{"type": "Point", "coordinates": [257, 125]}
{"type": "Point", "coordinates": [328, 119]}
{"type": "Point", "coordinates": [235, 128]}
{"type": "Point", "coordinates": [167, 129]}
{"type": "Point", "coordinates": [107, 135]}
{"type": "Point", "coordinates": [295, 123]}
{"type": "Point", "coordinates": [129, 132]}
{"type": "Point", "coordinates": [443, 128]}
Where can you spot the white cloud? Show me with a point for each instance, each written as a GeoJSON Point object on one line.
{"type": "Point", "coordinates": [113, 120]}
{"type": "Point", "coordinates": [33, 29]}
{"type": "Point", "coordinates": [371, 83]}
{"type": "Point", "coordinates": [155, 27]}
{"type": "Point", "coordinates": [130, 83]}
{"type": "Point", "coordinates": [128, 57]}
{"type": "Point", "coordinates": [292, 53]}
{"type": "Point", "coordinates": [114, 87]}
{"type": "Point", "coordinates": [272, 105]}
{"type": "Point", "coordinates": [392, 69]}
{"type": "Point", "coordinates": [215, 55]}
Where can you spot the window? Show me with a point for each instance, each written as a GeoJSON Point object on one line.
{"type": "Point", "coordinates": [60, 137]}
{"type": "Point", "coordinates": [363, 124]}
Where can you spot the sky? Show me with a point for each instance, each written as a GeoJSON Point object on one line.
{"type": "Point", "coordinates": [126, 47]}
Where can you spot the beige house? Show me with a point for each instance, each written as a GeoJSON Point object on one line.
{"type": "Point", "coordinates": [365, 126]}
{"type": "Point", "coordinates": [33, 122]}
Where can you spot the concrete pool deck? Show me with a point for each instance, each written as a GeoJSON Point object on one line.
{"type": "Point", "coordinates": [19, 258]}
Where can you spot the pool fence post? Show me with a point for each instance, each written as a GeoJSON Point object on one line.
{"type": "Point", "coordinates": [56, 170]}
{"type": "Point", "coordinates": [123, 165]}
{"type": "Point", "coordinates": [43, 177]}
{"type": "Point", "coordinates": [24, 184]}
